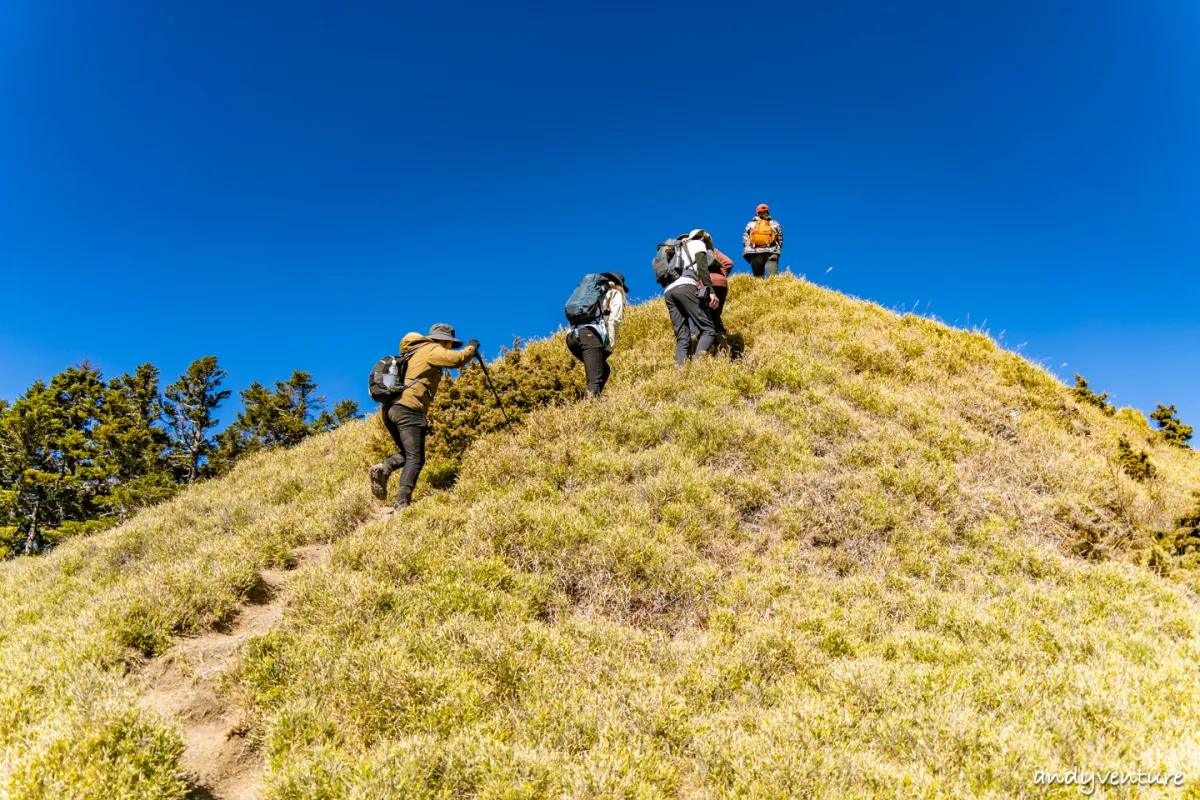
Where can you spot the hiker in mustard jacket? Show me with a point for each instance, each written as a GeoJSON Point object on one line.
{"type": "Point", "coordinates": [405, 418]}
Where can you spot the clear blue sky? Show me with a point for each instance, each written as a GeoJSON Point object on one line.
{"type": "Point", "coordinates": [297, 184]}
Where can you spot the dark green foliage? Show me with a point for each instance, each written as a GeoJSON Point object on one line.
{"type": "Point", "coordinates": [1085, 395]}
{"type": "Point", "coordinates": [343, 412]}
{"type": "Point", "coordinates": [280, 418]}
{"type": "Point", "coordinates": [77, 452]}
{"type": "Point", "coordinates": [526, 378]}
{"type": "Point", "coordinates": [133, 443]}
{"type": "Point", "coordinates": [80, 453]}
{"type": "Point", "coordinates": [1135, 465]}
{"type": "Point", "coordinates": [1183, 543]}
{"type": "Point", "coordinates": [31, 473]}
{"type": "Point", "coordinates": [1172, 428]}
{"type": "Point", "coordinates": [189, 406]}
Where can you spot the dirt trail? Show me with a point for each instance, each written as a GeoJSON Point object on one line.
{"type": "Point", "coordinates": [182, 684]}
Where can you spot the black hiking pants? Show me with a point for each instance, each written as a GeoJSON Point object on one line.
{"type": "Point", "coordinates": [763, 262]}
{"type": "Point", "coordinates": [408, 429]}
{"type": "Point", "coordinates": [721, 292]}
{"type": "Point", "coordinates": [683, 304]}
{"type": "Point", "coordinates": [586, 345]}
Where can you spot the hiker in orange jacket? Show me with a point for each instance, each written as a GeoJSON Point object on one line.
{"type": "Point", "coordinates": [762, 242]}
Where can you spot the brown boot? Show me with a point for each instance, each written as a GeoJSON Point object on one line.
{"type": "Point", "coordinates": [379, 478]}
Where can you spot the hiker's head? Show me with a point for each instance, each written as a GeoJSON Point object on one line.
{"type": "Point", "coordinates": [703, 236]}
{"type": "Point", "coordinates": [762, 210]}
{"type": "Point", "coordinates": [443, 334]}
{"type": "Point", "coordinates": [618, 279]}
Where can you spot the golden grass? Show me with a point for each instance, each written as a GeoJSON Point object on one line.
{"type": "Point", "coordinates": [877, 557]}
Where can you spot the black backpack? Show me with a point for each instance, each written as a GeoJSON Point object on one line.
{"type": "Point", "coordinates": [386, 381]}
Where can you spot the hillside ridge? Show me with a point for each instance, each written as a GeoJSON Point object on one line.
{"type": "Point", "coordinates": [837, 566]}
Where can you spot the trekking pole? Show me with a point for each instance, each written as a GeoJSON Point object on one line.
{"type": "Point", "coordinates": [492, 386]}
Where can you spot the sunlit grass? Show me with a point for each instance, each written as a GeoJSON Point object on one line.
{"type": "Point", "coordinates": [875, 557]}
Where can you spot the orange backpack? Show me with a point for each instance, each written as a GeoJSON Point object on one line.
{"type": "Point", "coordinates": [763, 234]}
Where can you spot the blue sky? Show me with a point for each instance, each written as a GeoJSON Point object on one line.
{"type": "Point", "coordinates": [297, 184]}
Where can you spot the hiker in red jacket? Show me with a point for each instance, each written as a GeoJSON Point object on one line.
{"type": "Point", "coordinates": [719, 274]}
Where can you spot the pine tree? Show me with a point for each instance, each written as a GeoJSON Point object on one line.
{"type": "Point", "coordinates": [134, 443]}
{"type": "Point", "coordinates": [52, 468]}
{"type": "Point", "coordinates": [1085, 395]}
{"type": "Point", "coordinates": [189, 407]}
{"type": "Point", "coordinates": [343, 412]}
{"type": "Point", "coordinates": [29, 469]}
{"type": "Point", "coordinates": [78, 393]}
{"type": "Point", "coordinates": [280, 418]}
{"type": "Point", "coordinates": [1172, 428]}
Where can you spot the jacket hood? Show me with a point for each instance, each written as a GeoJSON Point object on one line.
{"type": "Point", "coordinates": [413, 340]}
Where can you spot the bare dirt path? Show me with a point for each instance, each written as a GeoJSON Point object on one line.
{"type": "Point", "coordinates": [182, 685]}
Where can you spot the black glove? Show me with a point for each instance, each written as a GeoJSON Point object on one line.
{"type": "Point", "coordinates": [474, 343]}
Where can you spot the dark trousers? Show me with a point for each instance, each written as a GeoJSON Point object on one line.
{"type": "Point", "coordinates": [721, 292]}
{"type": "Point", "coordinates": [760, 262]}
{"type": "Point", "coordinates": [585, 344]}
{"type": "Point", "coordinates": [683, 304]}
{"type": "Point", "coordinates": [408, 429]}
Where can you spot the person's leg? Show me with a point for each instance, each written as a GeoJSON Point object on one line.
{"type": "Point", "coordinates": [772, 264]}
{"type": "Point", "coordinates": [689, 305]}
{"type": "Point", "coordinates": [381, 472]}
{"type": "Point", "coordinates": [593, 361]}
{"type": "Point", "coordinates": [607, 371]}
{"type": "Point", "coordinates": [756, 263]}
{"type": "Point", "coordinates": [699, 312]}
{"type": "Point", "coordinates": [679, 321]}
{"type": "Point", "coordinates": [721, 292]}
{"type": "Point", "coordinates": [573, 345]}
{"type": "Point", "coordinates": [414, 461]}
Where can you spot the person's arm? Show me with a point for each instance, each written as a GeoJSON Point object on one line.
{"type": "Point", "coordinates": [616, 306]}
{"type": "Point", "coordinates": [779, 234]}
{"type": "Point", "coordinates": [746, 235]}
{"type": "Point", "coordinates": [616, 313]}
{"type": "Point", "coordinates": [704, 260]}
{"type": "Point", "coordinates": [724, 261]}
{"type": "Point", "coordinates": [452, 359]}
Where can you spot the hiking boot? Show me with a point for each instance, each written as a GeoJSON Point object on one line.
{"type": "Point", "coordinates": [379, 479]}
{"type": "Point", "coordinates": [404, 499]}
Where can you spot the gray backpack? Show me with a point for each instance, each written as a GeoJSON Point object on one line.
{"type": "Point", "coordinates": [668, 262]}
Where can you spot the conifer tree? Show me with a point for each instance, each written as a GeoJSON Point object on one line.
{"type": "Point", "coordinates": [1172, 428]}
{"type": "Point", "coordinates": [78, 396]}
{"type": "Point", "coordinates": [283, 417]}
{"type": "Point", "coordinates": [134, 443]}
{"type": "Point", "coordinates": [29, 469]}
{"type": "Point", "coordinates": [343, 412]}
{"type": "Point", "coordinates": [1085, 395]}
{"type": "Point", "coordinates": [52, 468]}
{"type": "Point", "coordinates": [189, 407]}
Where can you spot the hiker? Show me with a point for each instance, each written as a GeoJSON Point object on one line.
{"type": "Point", "coordinates": [762, 242]}
{"type": "Point", "coordinates": [682, 268]}
{"type": "Point", "coordinates": [718, 273]}
{"type": "Point", "coordinates": [404, 416]}
{"type": "Point", "coordinates": [600, 299]}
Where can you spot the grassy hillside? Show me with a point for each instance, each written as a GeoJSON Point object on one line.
{"type": "Point", "coordinates": [875, 557]}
